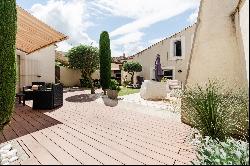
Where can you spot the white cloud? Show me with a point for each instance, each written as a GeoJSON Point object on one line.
{"type": "Point", "coordinates": [64, 46]}
{"type": "Point", "coordinates": [129, 38]}
{"type": "Point", "coordinates": [128, 49]}
{"type": "Point", "coordinates": [68, 17]}
{"type": "Point", "coordinates": [193, 17]}
{"type": "Point", "coordinates": [144, 13]}
{"type": "Point", "coordinates": [75, 17]}
{"type": "Point", "coordinates": [153, 41]}
{"type": "Point", "coordinates": [128, 43]}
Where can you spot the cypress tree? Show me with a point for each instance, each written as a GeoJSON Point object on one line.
{"type": "Point", "coordinates": [8, 28]}
{"type": "Point", "coordinates": [105, 60]}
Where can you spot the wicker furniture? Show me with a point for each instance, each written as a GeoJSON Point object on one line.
{"type": "Point", "coordinates": [48, 99]}
{"type": "Point", "coordinates": [27, 90]}
{"type": "Point", "coordinates": [21, 97]}
{"type": "Point", "coordinates": [39, 83]}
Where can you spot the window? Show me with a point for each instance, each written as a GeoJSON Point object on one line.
{"type": "Point", "coordinates": [169, 74]}
{"type": "Point", "coordinates": [117, 71]}
{"type": "Point", "coordinates": [118, 75]}
{"type": "Point", "coordinates": [177, 48]}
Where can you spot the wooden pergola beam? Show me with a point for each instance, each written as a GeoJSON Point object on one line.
{"type": "Point", "coordinates": [33, 34]}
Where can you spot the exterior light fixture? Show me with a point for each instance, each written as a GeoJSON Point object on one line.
{"type": "Point", "coordinates": [179, 71]}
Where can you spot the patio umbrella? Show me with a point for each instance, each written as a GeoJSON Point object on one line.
{"type": "Point", "coordinates": [158, 69]}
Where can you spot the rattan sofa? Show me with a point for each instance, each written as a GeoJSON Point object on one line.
{"type": "Point", "coordinates": [48, 99]}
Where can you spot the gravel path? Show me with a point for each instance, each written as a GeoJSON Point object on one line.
{"type": "Point", "coordinates": [136, 103]}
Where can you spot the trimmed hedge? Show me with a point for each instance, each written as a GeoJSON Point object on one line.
{"type": "Point", "coordinates": [105, 60]}
{"type": "Point", "coordinates": [8, 28]}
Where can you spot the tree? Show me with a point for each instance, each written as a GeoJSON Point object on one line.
{"type": "Point", "coordinates": [105, 60]}
{"type": "Point", "coordinates": [86, 59]}
{"type": "Point", "coordinates": [8, 28]}
{"type": "Point", "coordinates": [131, 68]}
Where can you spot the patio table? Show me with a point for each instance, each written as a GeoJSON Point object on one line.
{"type": "Point", "coordinates": [21, 97]}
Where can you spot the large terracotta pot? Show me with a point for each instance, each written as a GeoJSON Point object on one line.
{"type": "Point", "coordinates": [112, 94]}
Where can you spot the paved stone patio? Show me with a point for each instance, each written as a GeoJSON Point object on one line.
{"type": "Point", "coordinates": [85, 131]}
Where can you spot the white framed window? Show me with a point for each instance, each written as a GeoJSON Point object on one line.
{"type": "Point", "coordinates": [177, 48]}
{"type": "Point", "coordinates": [168, 72]}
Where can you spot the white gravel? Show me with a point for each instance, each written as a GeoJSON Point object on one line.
{"type": "Point", "coordinates": [134, 102]}
{"type": "Point", "coordinates": [136, 98]}
{"type": "Point", "coordinates": [8, 154]}
{"type": "Point", "coordinates": [11, 153]}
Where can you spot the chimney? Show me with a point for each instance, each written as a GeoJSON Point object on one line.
{"type": "Point", "coordinates": [124, 55]}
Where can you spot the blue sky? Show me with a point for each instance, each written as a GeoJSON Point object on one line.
{"type": "Point", "coordinates": [133, 24]}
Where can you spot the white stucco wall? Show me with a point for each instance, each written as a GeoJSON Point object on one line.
{"type": "Point", "coordinates": [244, 25]}
{"type": "Point", "coordinates": [69, 77]}
{"type": "Point", "coordinates": [216, 54]}
{"type": "Point", "coordinates": [38, 66]}
{"type": "Point", "coordinates": [165, 49]}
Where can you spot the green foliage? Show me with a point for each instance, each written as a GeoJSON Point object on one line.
{"type": "Point", "coordinates": [216, 111]}
{"type": "Point", "coordinates": [230, 152]}
{"type": "Point", "coordinates": [85, 82]}
{"type": "Point", "coordinates": [105, 60]}
{"type": "Point", "coordinates": [8, 27]}
{"type": "Point", "coordinates": [84, 58]}
{"type": "Point", "coordinates": [165, 79]}
{"type": "Point", "coordinates": [131, 68]}
{"type": "Point", "coordinates": [127, 91]}
{"type": "Point", "coordinates": [126, 83]}
{"type": "Point", "coordinates": [60, 63]}
{"type": "Point", "coordinates": [114, 85]}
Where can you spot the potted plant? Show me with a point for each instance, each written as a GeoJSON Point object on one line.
{"type": "Point", "coordinates": [113, 90]}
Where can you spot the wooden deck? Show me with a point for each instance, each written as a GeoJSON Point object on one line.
{"type": "Point", "coordinates": [91, 133]}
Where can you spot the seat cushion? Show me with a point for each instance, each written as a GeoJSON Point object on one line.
{"type": "Point", "coordinates": [35, 87]}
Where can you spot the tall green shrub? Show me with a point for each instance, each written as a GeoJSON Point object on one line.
{"type": "Point", "coordinates": [105, 60]}
{"type": "Point", "coordinates": [8, 28]}
{"type": "Point", "coordinates": [216, 111]}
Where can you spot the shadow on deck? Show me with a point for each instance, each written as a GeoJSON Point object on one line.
{"type": "Point", "coordinates": [25, 121]}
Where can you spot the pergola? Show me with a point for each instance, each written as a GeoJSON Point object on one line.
{"type": "Point", "coordinates": [33, 34]}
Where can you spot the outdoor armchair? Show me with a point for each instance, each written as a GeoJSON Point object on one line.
{"type": "Point", "coordinates": [48, 99]}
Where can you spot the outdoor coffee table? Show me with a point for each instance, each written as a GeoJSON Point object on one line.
{"type": "Point", "coordinates": [21, 97]}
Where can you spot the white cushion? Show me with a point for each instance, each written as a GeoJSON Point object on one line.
{"type": "Point", "coordinates": [34, 87]}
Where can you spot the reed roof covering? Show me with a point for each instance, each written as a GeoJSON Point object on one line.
{"type": "Point", "coordinates": [33, 34]}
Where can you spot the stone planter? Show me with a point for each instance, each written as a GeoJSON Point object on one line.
{"type": "Point", "coordinates": [152, 90]}
{"type": "Point", "coordinates": [112, 94]}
